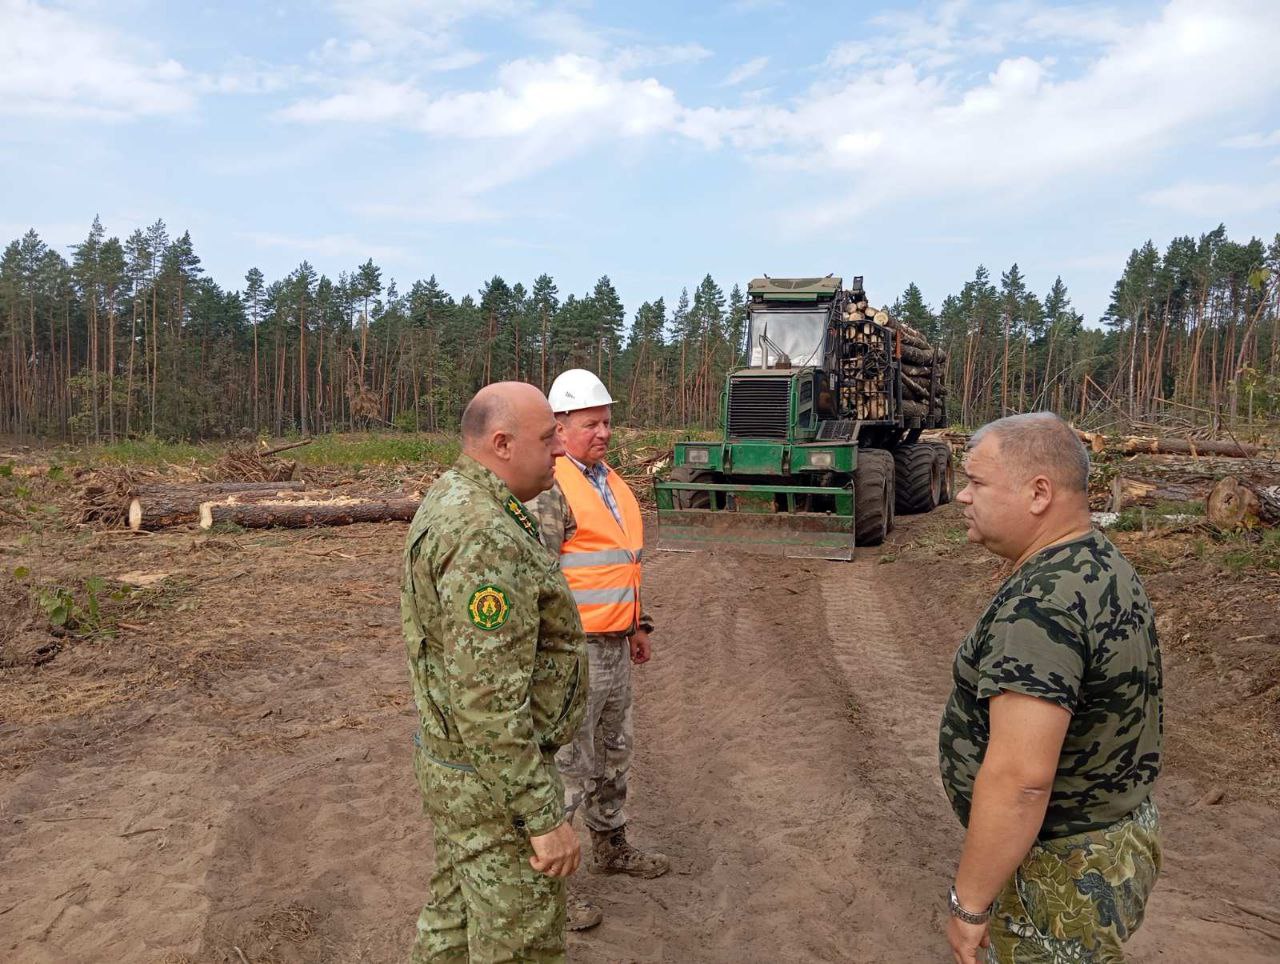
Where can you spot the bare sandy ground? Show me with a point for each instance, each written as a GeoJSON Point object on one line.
{"type": "Point", "coordinates": [230, 780]}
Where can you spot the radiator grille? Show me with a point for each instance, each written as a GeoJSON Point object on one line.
{"type": "Point", "coordinates": [759, 407]}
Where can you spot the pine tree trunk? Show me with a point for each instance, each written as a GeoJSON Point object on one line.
{"type": "Point", "coordinates": [543, 383]}
{"type": "Point", "coordinates": [111, 366]}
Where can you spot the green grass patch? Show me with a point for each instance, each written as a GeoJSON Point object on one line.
{"type": "Point", "coordinates": [148, 452]}
{"type": "Point", "coordinates": [1250, 551]}
{"type": "Point", "coordinates": [1131, 519]}
{"type": "Point", "coordinates": [350, 450]}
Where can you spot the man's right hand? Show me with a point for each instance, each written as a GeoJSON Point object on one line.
{"type": "Point", "coordinates": [556, 854]}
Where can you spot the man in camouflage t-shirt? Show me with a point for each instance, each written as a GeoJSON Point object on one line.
{"type": "Point", "coordinates": [1050, 742]}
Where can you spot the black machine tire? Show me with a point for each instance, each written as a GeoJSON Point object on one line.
{"type": "Point", "coordinates": [692, 500]}
{"type": "Point", "coordinates": [873, 497]}
{"type": "Point", "coordinates": [918, 478]}
{"type": "Point", "coordinates": [947, 466]}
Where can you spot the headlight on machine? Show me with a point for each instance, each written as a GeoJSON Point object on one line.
{"type": "Point", "coordinates": [822, 460]}
{"type": "Point", "coordinates": [697, 456]}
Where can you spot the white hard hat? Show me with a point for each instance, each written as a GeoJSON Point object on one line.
{"type": "Point", "coordinates": [577, 388]}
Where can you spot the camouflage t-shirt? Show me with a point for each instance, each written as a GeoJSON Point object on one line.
{"type": "Point", "coordinates": [1072, 625]}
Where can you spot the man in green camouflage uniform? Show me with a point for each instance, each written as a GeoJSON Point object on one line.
{"type": "Point", "coordinates": [1050, 743]}
{"type": "Point", "coordinates": [499, 671]}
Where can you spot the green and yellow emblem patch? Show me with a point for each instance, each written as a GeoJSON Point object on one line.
{"type": "Point", "coordinates": [488, 607]}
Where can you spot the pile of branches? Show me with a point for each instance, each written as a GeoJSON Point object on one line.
{"type": "Point", "coordinates": [105, 493]}
{"type": "Point", "coordinates": [244, 463]}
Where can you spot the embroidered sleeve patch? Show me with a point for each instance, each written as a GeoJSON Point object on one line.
{"type": "Point", "coordinates": [488, 607]}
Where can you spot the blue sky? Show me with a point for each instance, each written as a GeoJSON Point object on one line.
{"type": "Point", "coordinates": [653, 142]}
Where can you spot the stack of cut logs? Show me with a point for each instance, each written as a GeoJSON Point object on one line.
{"type": "Point", "coordinates": [256, 505]}
{"type": "Point", "coordinates": [865, 389]}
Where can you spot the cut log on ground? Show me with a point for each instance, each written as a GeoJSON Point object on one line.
{"type": "Point", "coordinates": [299, 514]}
{"type": "Point", "coordinates": [1238, 505]}
{"type": "Point", "coordinates": [159, 507]}
{"type": "Point", "coordinates": [1096, 442]}
{"type": "Point", "coordinates": [1146, 492]}
{"type": "Point", "coordinates": [1184, 446]}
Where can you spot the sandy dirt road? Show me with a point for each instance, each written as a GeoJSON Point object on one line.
{"type": "Point", "coordinates": [231, 781]}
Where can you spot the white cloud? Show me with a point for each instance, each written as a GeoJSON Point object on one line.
{"type": "Point", "coordinates": [441, 207]}
{"type": "Point", "coordinates": [744, 72]}
{"type": "Point", "coordinates": [642, 58]}
{"type": "Point", "coordinates": [54, 63]}
{"type": "Point", "coordinates": [244, 76]}
{"type": "Point", "coordinates": [1254, 140]}
{"type": "Point", "coordinates": [1068, 94]}
{"type": "Point", "coordinates": [400, 23]}
{"type": "Point", "coordinates": [412, 28]}
{"type": "Point", "coordinates": [365, 101]}
{"type": "Point", "coordinates": [326, 246]}
{"type": "Point", "coordinates": [569, 96]}
{"type": "Point", "coordinates": [1215, 200]}
{"type": "Point", "coordinates": [912, 129]}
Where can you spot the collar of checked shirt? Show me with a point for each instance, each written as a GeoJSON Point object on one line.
{"type": "Point", "coordinates": [598, 476]}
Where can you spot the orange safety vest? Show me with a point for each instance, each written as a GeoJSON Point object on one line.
{"type": "Point", "coordinates": [602, 560]}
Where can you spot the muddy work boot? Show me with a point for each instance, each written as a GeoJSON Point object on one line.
{"type": "Point", "coordinates": [611, 854]}
{"type": "Point", "coordinates": [581, 914]}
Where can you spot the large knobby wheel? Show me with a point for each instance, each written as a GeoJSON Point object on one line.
{"type": "Point", "coordinates": [947, 467]}
{"type": "Point", "coordinates": [873, 497]}
{"type": "Point", "coordinates": [685, 499]}
{"type": "Point", "coordinates": [919, 477]}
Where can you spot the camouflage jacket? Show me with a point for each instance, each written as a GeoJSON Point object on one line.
{"type": "Point", "coordinates": [556, 526]}
{"type": "Point", "coordinates": [1072, 625]}
{"type": "Point", "coordinates": [496, 650]}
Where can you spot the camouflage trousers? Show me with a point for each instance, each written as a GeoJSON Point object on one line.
{"type": "Point", "coordinates": [595, 765]}
{"type": "Point", "coordinates": [487, 904]}
{"type": "Point", "coordinates": [1079, 898]}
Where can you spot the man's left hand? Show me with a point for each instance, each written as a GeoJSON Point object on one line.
{"type": "Point", "coordinates": [965, 939]}
{"type": "Point", "coordinates": [641, 650]}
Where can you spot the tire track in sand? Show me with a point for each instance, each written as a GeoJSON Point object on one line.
{"type": "Point", "coordinates": [750, 772]}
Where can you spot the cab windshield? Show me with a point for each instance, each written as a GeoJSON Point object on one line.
{"type": "Point", "coordinates": [788, 336]}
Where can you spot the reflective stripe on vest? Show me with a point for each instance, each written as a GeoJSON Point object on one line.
{"type": "Point", "coordinates": [589, 596]}
{"type": "Point", "coordinates": [602, 560]}
{"type": "Point", "coordinates": [604, 557]}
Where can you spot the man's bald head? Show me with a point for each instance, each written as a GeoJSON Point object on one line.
{"type": "Point", "coordinates": [497, 407]}
{"type": "Point", "coordinates": [509, 429]}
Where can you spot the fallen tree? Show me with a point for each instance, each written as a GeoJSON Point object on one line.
{"type": "Point", "coordinates": [1148, 491]}
{"type": "Point", "coordinates": [1234, 504]}
{"type": "Point", "coordinates": [1184, 446]}
{"type": "Point", "coordinates": [161, 506]}
{"type": "Point", "coordinates": [302, 513]}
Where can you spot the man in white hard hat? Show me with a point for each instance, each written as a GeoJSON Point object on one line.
{"type": "Point", "coordinates": [591, 519]}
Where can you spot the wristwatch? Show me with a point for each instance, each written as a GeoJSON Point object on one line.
{"type": "Point", "coordinates": [967, 916]}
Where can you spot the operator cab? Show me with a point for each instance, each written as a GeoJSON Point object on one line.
{"type": "Point", "coordinates": [787, 321]}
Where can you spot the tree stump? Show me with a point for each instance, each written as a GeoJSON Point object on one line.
{"type": "Point", "coordinates": [1233, 504]}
